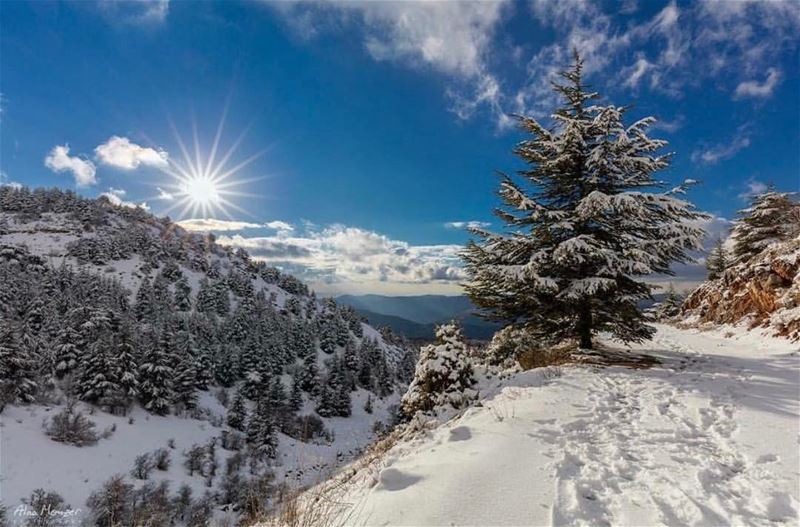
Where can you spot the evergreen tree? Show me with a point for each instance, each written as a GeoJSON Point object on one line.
{"type": "Point", "coordinates": [183, 295]}
{"type": "Point", "coordinates": [582, 225]}
{"type": "Point", "coordinates": [295, 398]}
{"type": "Point", "coordinates": [144, 301]}
{"type": "Point", "coordinates": [717, 260]}
{"type": "Point", "coordinates": [17, 370]}
{"type": "Point", "coordinates": [670, 306]}
{"type": "Point", "coordinates": [185, 383]}
{"type": "Point", "coordinates": [443, 375]}
{"type": "Point", "coordinates": [237, 413]}
{"type": "Point", "coordinates": [770, 217]}
{"type": "Point", "coordinates": [261, 431]}
{"type": "Point", "coordinates": [67, 354]}
{"type": "Point", "coordinates": [308, 376]}
{"type": "Point", "coordinates": [155, 379]}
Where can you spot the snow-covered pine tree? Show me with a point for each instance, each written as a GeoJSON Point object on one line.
{"type": "Point", "coordinates": [185, 382]}
{"type": "Point", "coordinates": [584, 221]}
{"type": "Point", "coordinates": [261, 431]}
{"type": "Point", "coordinates": [183, 295]}
{"type": "Point", "coordinates": [443, 375]}
{"type": "Point", "coordinates": [17, 370]}
{"type": "Point", "coordinates": [156, 377]}
{"type": "Point", "coordinates": [670, 306]}
{"type": "Point", "coordinates": [67, 353]}
{"type": "Point", "coordinates": [295, 398]}
{"type": "Point", "coordinates": [717, 260]}
{"type": "Point", "coordinates": [237, 413]}
{"type": "Point", "coordinates": [769, 218]}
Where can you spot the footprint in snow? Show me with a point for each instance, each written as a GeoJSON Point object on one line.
{"type": "Point", "coordinates": [393, 479]}
{"type": "Point", "coordinates": [460, 433]}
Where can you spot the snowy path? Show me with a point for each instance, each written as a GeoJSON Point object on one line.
{"type": "Point", "coordinates": [710, 437]}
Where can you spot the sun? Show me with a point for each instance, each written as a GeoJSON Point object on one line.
{"type": "Point", "coordinates": [201, 191]}
{"type": "Point", "coordinates": [203, 184]}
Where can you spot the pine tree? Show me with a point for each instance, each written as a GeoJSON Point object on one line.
{"type": "Point", "coordinates": [67, 354]}
{"type": "Point", "coordinates": [155, 379]}
{"type": "Point", "coordinates": [670, 306]}
{"type": "Point", "coordinates": [771, 217]}
{"type": "Point", "coordinates": [261, 431]}
{"type": "Point", "coordinates": [237, 413]}
{"type": "Point", "coordinates": [183, 295]}
{"type": "Point", "coordinates": [582, 225]}
{"type": "Point", "coordinates": [144, 300]}
{"type": "Point", "coordinates": [295, 398]}
{"type": "Point", "coordinates": [717, 260]}
{"type": "Point", "coordinates": [185, 383]}
{"type": "Point", "coordinates": [443, 375]}
{"type": "Point", "coordinates": [308, 376]}
{"type": "Point", "coordinates": [17, 370]}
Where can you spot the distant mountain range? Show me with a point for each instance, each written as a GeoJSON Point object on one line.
{"type": "Point", "coordinates": [417, 316]}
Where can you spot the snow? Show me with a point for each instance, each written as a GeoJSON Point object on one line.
{"type": "Point", "coordinates": [30, 460]}
{"type": "Point", "coordinates": [709, 437]}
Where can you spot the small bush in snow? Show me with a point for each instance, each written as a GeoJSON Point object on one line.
{"type": "Point", "coordinates": [443, 375]}
{"type": "Point", "coordinates": [194, 459]}
{"type": "Point", "coordinates": [171, 443]}
{"type": "Point", "coordinates": [235, 463]}
{"type": "Point", "coordinates": [161, 459]}
{"type": "Point", "coordinates": [230, 440]}
{"type": "Point", "coordinates": [307, 428]}
{"type": "Point", "coordinates": [254, 497]}
{"type": "Point", "coordinates": [199, 514]}
{"type": "Point", "coordinates": [507, 345]}
{"type": "Point", "coordinates": [182, 502]}
{"type": "Point", "coordinates": [111, 504]}
{"type": "Point", "coordinates": [142, 466]}
{"type": "Point", "coordinates": [151, 505]}
{"type": "Point", "coordinates": [72, 427]}
{"type": "Point", "coordinates": [44, 503]}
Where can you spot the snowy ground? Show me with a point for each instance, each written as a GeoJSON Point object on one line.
{"type": "Point", "coordinates": [710, 437]}
{"type": "Point", "coordinates": [30, 460]}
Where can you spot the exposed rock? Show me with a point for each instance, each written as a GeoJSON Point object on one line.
{"type": "Point", "coordinates": [762, 292]}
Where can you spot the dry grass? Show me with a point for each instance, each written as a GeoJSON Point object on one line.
{"type": "Point", "coordinates": [327, 504]}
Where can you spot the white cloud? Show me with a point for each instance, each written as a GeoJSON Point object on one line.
{"type": "Point", "coordinates": [453, 38]}
{"type": "Point", "coordinates": [119, 152]}
{"type": "Point", "coordinates": [759, 89]}
{"type": "Point", "coordinates": [5, 181]}
{"type": "Point", "coordinates": [678, 47]}
{"type": "Point", "coordinates": [753, 188]}
{"type": "Point", "coordinates": [83, 170]}
{"type": "Point", "coordinates": [135, 12]}
{"type": "Point", "coordinates": [712, 155]}
{"type": "Point", "coordinates": [115, 195]}
{"type": "Point", "coordinates": [215, 225]}
{"type": "Point", "coordinates": [342, 254]}
{"type": "Point", "coordinates": [280, 226]}
{"type": "Point", "coordinates": [473, 224]}
{"type": "Point", "coordinates": [164, 195]}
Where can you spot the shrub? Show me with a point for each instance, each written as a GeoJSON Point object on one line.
{"type": "Point", "coordinates": [142, 466]}
{"type": "Point", "coordinates": [111, 505]}
{"type": "Point", "coordinates": [71, 427]}
{"type": "Point", "coordinates": [443, 375]}
{"type": "Point", "coordinates": [307, 428]}
{"type": "Point", "coordinates": [161, 459]}
{"type": "Point", "coordinates": [50, 508]}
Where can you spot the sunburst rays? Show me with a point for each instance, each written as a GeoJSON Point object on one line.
{"type": "Point", "coordinates": [202, 185]}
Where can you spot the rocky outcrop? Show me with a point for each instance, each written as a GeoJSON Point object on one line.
{"type": "Point", "coordinates": [762, 292]}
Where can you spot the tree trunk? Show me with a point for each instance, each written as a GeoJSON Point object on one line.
{"type": "Point", "coordinates": [585, 327]}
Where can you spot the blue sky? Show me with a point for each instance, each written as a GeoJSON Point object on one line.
{"type": "Point", "coordinates": [378, 126]}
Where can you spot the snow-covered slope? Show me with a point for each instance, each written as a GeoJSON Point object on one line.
{"type": "Point", "coordinates": [708, 437]}
{"type": "Point", "coordinates": [764, 291]}
{"type": "Point", "coordinates": [85, 275]}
